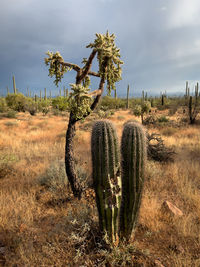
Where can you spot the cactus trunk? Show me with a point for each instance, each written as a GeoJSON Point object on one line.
{"type": "Point", "coordinates": [127, 98]}
{"type": "Point", "coordinates": [133, 152]}
{"type": "Point", "coordinates": [14, 85]}
{"type": "Point", "coordinates": [106, 177]}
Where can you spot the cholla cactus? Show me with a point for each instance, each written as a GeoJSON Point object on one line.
{"type": "Point", "coordinates": [54, 61]}
{"type": "Point", "coordinates": [108, 56]}
{"type": "Point", "coordinates": [133, 152]}
{"type": "Point", "coordinates": [79, 101]}
{"type": "Point", "coordinates": [105, 46]}
{"type": "Point", "coordinates": [106, 176]}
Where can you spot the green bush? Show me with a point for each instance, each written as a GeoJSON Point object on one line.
{"type": "Point", "coordinates": [163, 119]}
{"type": "Point", "coordinates": [60, 103]}
{"type": "Point", "coordinates": [10, 114]}
{"type": "Point", "coordinates": [17, 102]}
{"type": "Point", "coordinates": [3, 105]}
{"type": "Point", "coordinates": [109, 102]}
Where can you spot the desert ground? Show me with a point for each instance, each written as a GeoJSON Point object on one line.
{"type": "Point", "coordinates": [42, 224]}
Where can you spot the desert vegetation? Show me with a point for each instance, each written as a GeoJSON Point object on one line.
{"type": "Point", "coordinates": [42, 224]}
{"type": "Point", "coordinates": [87, 180]}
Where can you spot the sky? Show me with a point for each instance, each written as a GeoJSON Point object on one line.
{"type": "Point", "coordinates": [159, 42]}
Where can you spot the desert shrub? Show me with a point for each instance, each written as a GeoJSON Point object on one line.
{"type": "Point", "coordinates": [173, 109]}
{"type": "Point", "coordinates": [10, 114]}
{"type": "Point", "coordinates": [43, 104]}
{"type": "Point", "coordinates": [3, 105]}
{"type": "Point", "coordinates": [11, 124]}
{"type": "Point", "coordinates": [163, 119]}
{"type": "Point", "coordinates": [169, 131]}
{"type": "Point", "coordinates": [109, 102]}
{"type": "Point", "coordinates": [55, 177]}
{"type": "Point", "coordinates": [60, 103]}
{"type": "Point", "coordinates": [45, 110]}
{"type": "Point", "coordinates": [150, 120]}
{"type": "Point", "coordinates": [56, 112]}
{"type": "Point", "coordinates": [32, 108]}
{"type": "Point", "coordinates": [103, 114]}
{"type": "Point", "coordinates": [17, 102]}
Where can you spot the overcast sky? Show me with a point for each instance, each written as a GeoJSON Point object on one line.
{"type": "Point", "coordinates": [159, 41]}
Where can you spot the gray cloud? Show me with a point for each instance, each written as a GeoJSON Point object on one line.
{"type": "Point", "coordinates": [159, 40]}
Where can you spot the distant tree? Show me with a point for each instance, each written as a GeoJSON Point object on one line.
{"type": "Point", "coordinates": [81, 101]}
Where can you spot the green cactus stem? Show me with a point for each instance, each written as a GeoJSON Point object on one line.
{"type": "Point", "coordinates": [106, 177]}
{"type": "Point", "coordinates": [14, 85]}
{"type": "Point", "coordinates": [127, 97]}
{"type": "Point", "coordinates": [133, 152]}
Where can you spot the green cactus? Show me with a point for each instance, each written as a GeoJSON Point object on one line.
{"type": "Point", "coordinates": [106, 177]}
{"type": "Point", "coordinates": [14, 85]}
{"type": "Point", "coordinates": [45, 94]}
{"type": "Point", "coordinates": [127, 98]}
{"type": "Point", "coordinates": [133, 152]}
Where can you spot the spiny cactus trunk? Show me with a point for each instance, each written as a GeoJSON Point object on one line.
{"type": "Point", "coordinates": [133, 152]}
{"type": "Point", "coordinates": [106, 177]}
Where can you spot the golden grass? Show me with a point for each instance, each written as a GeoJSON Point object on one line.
{"type": "Point", "coordinates": [42, 226]}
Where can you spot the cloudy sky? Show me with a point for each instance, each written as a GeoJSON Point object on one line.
{"type": "Point", "coordinates": [159, 41]}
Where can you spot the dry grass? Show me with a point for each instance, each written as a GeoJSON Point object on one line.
{"type": "Point", "coordinates": [41, 224]}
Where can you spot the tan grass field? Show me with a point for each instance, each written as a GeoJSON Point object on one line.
{"type": "Point", "coordinates": [41, 224]}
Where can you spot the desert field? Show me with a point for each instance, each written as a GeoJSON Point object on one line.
{"type": "Point", "coordinates": [42, 224]}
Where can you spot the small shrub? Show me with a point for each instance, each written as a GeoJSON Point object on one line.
{"type": "Point", "coordinates": [45, 110]}
{"type": "Point", "coordinates": [55, 177]}
{"type": "Point", "coordinates": [169, 131]}
{"type": "Point", "coordinates": [3, 105]}
{"type": "Point", "coordinates": [32, 109]}
{"type": "Point", "coordinates": [163, 119]}
{"type": "Point", "coordinates": [11, 123]}
{"type": "Point", "coordinates": [10, 114]}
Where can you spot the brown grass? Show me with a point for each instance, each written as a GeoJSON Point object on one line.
{"type": "Point", "coordinates": [43, 225]}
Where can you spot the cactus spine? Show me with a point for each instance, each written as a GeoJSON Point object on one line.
{"type": "Point", "coordinates": [14, 85]}
{"type": "Point", "coordinates": [106, 176]}
{"type": "Point", "coordinates": [133, 152]}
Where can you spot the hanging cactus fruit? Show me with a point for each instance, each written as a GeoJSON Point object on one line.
{"type": "Point", "coordinates": [106, 177]}
{"type": "Point", "coordinates": [133, 153]}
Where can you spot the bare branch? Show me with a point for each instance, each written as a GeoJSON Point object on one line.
{"type": "Point", "coordinates": [93, 73]}
{"type": "Point", "coordinates": [88, 65]}
{"type": "Point", "coordinates": [71, 65]}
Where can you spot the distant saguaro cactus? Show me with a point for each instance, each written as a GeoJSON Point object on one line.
{"type": "Point", "coordinates": [14, 85]}
{"type": "Point", "coordinates": [106, 176]}
{"type": "Point", "coordinates": [127, 98]}
{"type": "Point", "coordinates": [133, 152]}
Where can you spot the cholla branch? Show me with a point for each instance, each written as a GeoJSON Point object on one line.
{"type": "Point", "coordinates": [156, 149]}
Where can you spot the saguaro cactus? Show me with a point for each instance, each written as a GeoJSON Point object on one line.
{"type": "Point", "coordinates": [14, 85]}
{"type": "Point", "coordinates": [127, 97]}
{"type": "Point", "coordinates": [133, 152]}
{"type": "Point", "coordinates": [106, 176]}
